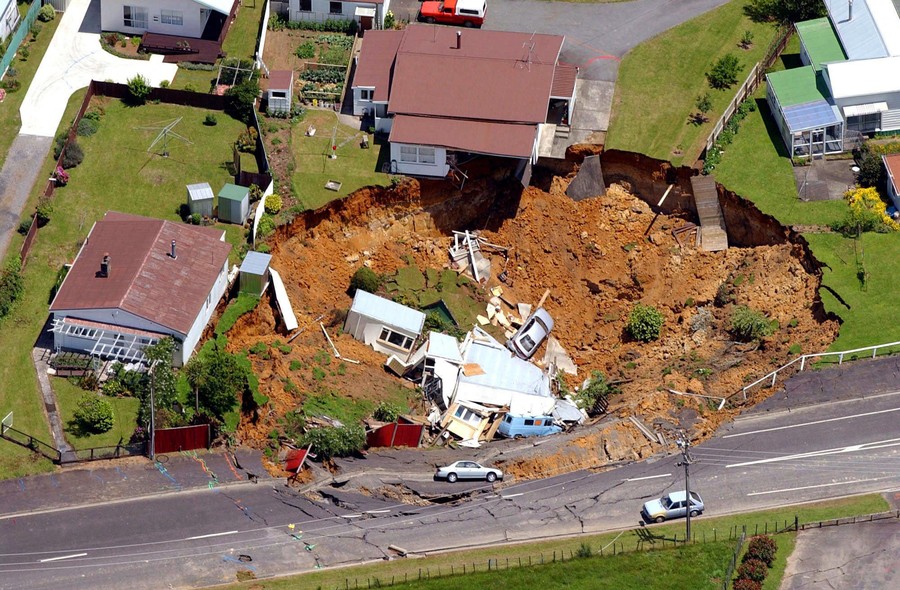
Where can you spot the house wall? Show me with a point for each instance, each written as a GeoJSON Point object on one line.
{"type": "Point", "coordinates": [368, 330]}
{"type": "Point", "coordinates": [518, 402]}
{"type": "Point", "coordinates": [892, 188]}
{"type": "Point", "coordinates": [276, 103]}
{"type": "Point", "coordinates": [440, 167]}
{"type": "Point", "coordinates": [112, 17]}
{"type": "Point", "coordinates": [9, 18]}
{"type": "Point", "coordinates": [204, 314]}
{"type": "Point", "coordinates": [321, 11]}
{"type": "Point", "coordinates": [360, 106]}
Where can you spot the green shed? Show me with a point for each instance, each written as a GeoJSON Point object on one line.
{"type": "Point", "coordinates": [234, 203]}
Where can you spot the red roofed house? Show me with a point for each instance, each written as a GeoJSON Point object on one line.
{"type": "Point", "coordinates": [892, 165]}
{"type": "Point", "coordinates": [137, 280]}
{"type": "Point", "coordinates": [444, 92]}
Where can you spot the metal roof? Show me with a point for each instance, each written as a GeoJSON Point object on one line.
{"type": "Point", "coordinates": [863, 78]}
{"type": "Point", "coordinates": [200, 192]}
{"type": "Point", "coordinates": [886, 15]}
{"type": "Point", "coordinates": [256, 263]}
{"type": "Point", "coordinates": [821, 41]}
{"type": "Point", "coordinates": [444, 346]}
{"type": "Point", "coordinates": [502, 370]}
{"type": "Point", "coordinates": [798, 86]}
{"type": "Point", "coordinates": [859, 35]}
{"type": "Point", "coordinates": [811, 115]}
{"type": "Point", "coordinates": [387, 312]}
{"type": "Point", "coordinates": [223, 6]}
{"type": "Point", "coordinates": [233, 192]}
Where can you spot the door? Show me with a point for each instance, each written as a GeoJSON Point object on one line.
{"type": "Point", "coordinates": [677, 509]}
{"type": "Point", "coordinates": [365, 23]}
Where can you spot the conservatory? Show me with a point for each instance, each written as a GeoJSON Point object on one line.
{"type": "Point", "coordinates": [809, 121]}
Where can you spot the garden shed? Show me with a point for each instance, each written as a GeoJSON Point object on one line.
{"type": "Point", "coordinates": [254, 273]}
{"type": "Point", "coordinates": [234, 203]}
{"type": "Point", "coordinates": [280, 92]}
{"type": "Point", "coordinates": [386, 326]}
{"type": "Point", "coordinates": [200, 199]}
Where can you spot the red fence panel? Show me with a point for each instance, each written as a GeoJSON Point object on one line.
{"type": "Point", "coordinates": [395, 435]}
{"type": "Point", "coordinates": [186, 438]}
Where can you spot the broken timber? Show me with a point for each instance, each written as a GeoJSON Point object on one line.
{"type": "Point", "coordinates": [713, 236]}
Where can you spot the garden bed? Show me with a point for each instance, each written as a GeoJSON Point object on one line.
{"type": "Point", "coordinates": [321, 60]}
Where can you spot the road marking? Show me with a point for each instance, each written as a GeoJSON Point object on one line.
{"type": "Point", "coordinates": [647, 477]}
{"type": "Point", "coordinates": [385, 511]}
{"type": "Point", "coordinates": [821, 485]}
{"type": "Point", "coordinates": [351, 515]}
{"type": "Point", "coordinates": [812, 423]}
{"type": "Point", "coordinates": [61, 557]}
{"type": "Point", "coordinates": [211, 535]}
{"type": "Point", "coordinates": [511, 496]}
{"type": "Point", "coordinates": [881, 444]}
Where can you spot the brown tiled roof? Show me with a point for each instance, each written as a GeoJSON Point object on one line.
{"type": "Point", "coordinates": [376, 60]}
{"type": "Point", "coordinates": [494, 75]}
{"type": "Point", "coordinates": [483, 137]}
{"type": "Point", "coordinates": [563, 81]}
{"type": "Point", "coordinates": [280, 79]}
{"type": "Point", "coordinates": [892, 162]}
{"type": "Point", "coordinates": [144, 280]}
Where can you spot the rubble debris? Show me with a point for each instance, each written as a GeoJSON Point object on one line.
{"type": "Point", "coordinates": [557, 359]}
{"type": "Point", "coordinates": [588, 182]}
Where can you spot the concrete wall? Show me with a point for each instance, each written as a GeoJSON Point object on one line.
{"type": "Point", "coordinates": [112, 17]}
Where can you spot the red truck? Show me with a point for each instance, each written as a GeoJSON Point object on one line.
{"type": "Point", "coordinates": [468, 13]}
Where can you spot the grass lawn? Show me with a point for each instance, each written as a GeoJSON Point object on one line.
{"type": "Point", "coordinates": [125, 411]}
{"type": "Point", "coordinates": [695, 567]}
{"type": "Point", "coordinates": [241, 38]}
{"type": "Point", "coordinates": [194, 80]}
{"type": "Point", "coordinates": [659, 82]}
{"type": "Point", "coordinates": [353, 168]}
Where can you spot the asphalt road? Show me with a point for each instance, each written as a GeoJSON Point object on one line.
{"type": "Point", "coordinates": [197, 538]}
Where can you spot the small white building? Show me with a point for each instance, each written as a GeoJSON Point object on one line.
{"type": "Point", "coordinates": [200, 199]}
{"type": "Point", "coordinates": [9, 18]}
{"type": "Point", "coordinates": [280, 93]}
{"type": "Point", "coordinates": [183, 18]}
{"type": "Point", "coordinates": [386, 326]}
{"type": "Point", "coordinates": [368, 15]}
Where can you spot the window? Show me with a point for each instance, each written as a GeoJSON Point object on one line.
{"type": "Point", "coordinates": [305, 5]}
{"type": "Point", "coordinates": [171, 17]}
{"type": "Point", "coordinates": [864, 123]}
{"type": "Point", "coordinates": [366, 94]}
{"type": "Point", "coordinates": [467, 416]}
{"type": "Point", "coordinates": [336, 7]}
{"type": "Point", "coordinates": [417, 154]}
{"type": "Point", "coordinates": [395, 339]}
{"type": "Point", "coordinates": [529, 422]}
{"type": "Point", "coordinates": [135, 17]}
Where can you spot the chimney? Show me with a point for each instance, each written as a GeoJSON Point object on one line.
{"type": "Point", "coordinates": [850, 10]}
{"type": "Point", "coordinates": [104, 265]}
{"type": "Point", "coordinates": [173, 253]}
{"type": "Point", "coordinates": [459, 38]}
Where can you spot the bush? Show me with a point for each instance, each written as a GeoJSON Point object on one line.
{"type": "Point", "coordinates": [748, 324]}
{"type": "Point", "coordinates": [596, 389]}
{"type": "Point", "coordinates": [724, 72]}
{"type": "Point", "coordinates": [746, 584]}
{"type": "Point", "coordinates": [43, 212]}
{"type": "Point", "coordinates": [46, 13]}
{"type": "Point", "coordinates": [273, 204]}
{"type": "Point", "coordinates": [644, 323]}
{"type": "Point", "coordinates": [366, 279]}
{"type": "Point", "coordinates": [10, 84]}
{"type": "Point", "coordinates": [73, 155]}
{"type": "Point", "coordinates": [786, 11]}
{"type": "Point", "coordinates": [868, 213]}
{"type": "Point", "coordinates": [387, 412]}
{"type": "Point", "coordinates": [12, 285]}
{"type": "Point", "coordinates": [389, 20]}
{"type": "Point", "coordinates": [335, 441]}
{"type": "Point", "coordinates": [266, 226]}
{"type": "Point", "coordinates": [138, 89]}
{"type": "Point", "coordinates": [246, 141]}
{"type": "Point", "coordinates": [871, 172]}
{"type": "Point", "coordinates": [87, 127]}
{"type": "Point", "coordinates": [240, 100]}
{"type": "Point", "coordinates": [306, 50]}
{"type": "Point", "coordinates": [763, 548]}
{"type": "Point", "coordinates": [210, 120]}
{"type": "Point", "coordinates": [25, 225]}
{"type": "Point", "coordinates": [94, 414]}
{"type": "Point", "coordinates": [753, 569]}
{"type": "Point", "coordinates": [35, 30]}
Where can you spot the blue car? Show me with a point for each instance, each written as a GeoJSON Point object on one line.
{"type": "Point", "coordinates": [521, 426]}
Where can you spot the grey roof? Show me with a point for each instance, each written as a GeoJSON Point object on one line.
{"type": "Point", "coordinates": [200, 192]}
{"type": "Point", "coordinates": [256, 263]}
{"type": "Point", "coordinates": [388, 312]}
{"type": "Point", "coordinates": [859, 36]}
{"type": "Point", "coordinates": [502, 370]}
{"type": "Point", "coordinates": [811, 115]}
{"type": "Point", "coordinates": [444, 346]}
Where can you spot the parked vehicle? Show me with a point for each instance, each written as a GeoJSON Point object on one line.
{"type": "Point", "coordinates": [468, 470]}
{"type": "Point", "coordinates": [521, 426]}
{"type": "Point", "coordinates": [672, 505]}
{"type": "Point", "coordinates": [533, 332]}
{"type": "Point", "coordinates": [468, 13]}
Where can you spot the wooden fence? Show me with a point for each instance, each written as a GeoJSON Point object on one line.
{"type": "Point", "coordinates": [185, 438]}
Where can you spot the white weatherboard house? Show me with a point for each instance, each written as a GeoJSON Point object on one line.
{"type": "Point", "coordinates": [137, 280]}
{"type": "Point", "coordinates": [184, 18]}
{"type": "Point", "coordinates": [386, 326]}
{"type": "Point", "coordinates": [9, 18]}
{"type": "Point", "coordinates": [850, 82]}
{"type": "Point", "coordinates": [369, 15]}
{"type": "Point", "coordinates": [892, 167]}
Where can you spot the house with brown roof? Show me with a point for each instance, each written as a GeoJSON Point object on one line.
{"type": "Point", "coordinates": [444, 94]}
{"type": "Point", "coordinates": [137, 280]}
{"type": "Point", "coordinates": [368, 14]}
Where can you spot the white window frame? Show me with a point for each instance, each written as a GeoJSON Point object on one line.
{"type": "Point", "coordinates": [386, 333]}
{"type": "Point", "coordinates": [418, 154]}
{"type": "Point", "coordinates": [171, 17]}
{"type": "Point", "coordinates": [137, 12]}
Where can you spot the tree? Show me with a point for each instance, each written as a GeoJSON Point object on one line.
{"type": "Point", "coordinates": [724, 72]}
{"type": "Point", "coordinates": [138, 89]}
{"type": "Point", "coordinates": [240, 100]}
{"type": "Point", "coordinates": [94, 414]}
{"type": "Point", "coordinates": [387, 412]}
{"type": "Point", "coordinates": [785, 11]}
{"type": "Point", "coordinates": [165, 392]}
{"type": "Point", "coordinates": [871, 171]}
{"type": "Point", "coordinates": [704, 105]}
{"type": "Point", "coordinates": [218, 380]}
{"type": "Point", "coordinates": [335, 441]}
{"type": "Point", "coordinates": [644, 322]}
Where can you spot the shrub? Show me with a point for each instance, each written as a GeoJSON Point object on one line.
{"type": "Point", "coordinates": [763, 548]}
{"type": "Point", "coordinates": [366, 279]}
{"type": "Point", "coordinates": [753, 569]}
{"type": "Point", "coordinates": [94, 414]}
{"type": "Point", "coordinates": [273, 204]}
{"type": "Point", "coordinates": [12, 285]}
{"type": "Point", "coordinates": [871, 172]}
{"type": "Point", "coordinates": [868, 213]}
{"type": "Point", "coordinates": [786, 11]}
{"type": "Point", "coordinates": [196, 218]}
{"type": "Point", "coordinates": [43, 212]}
{"type": "Point", "coordinates": [704, 105]}
{"type": "Point", "coordinates": [747, 39]}
{"type": "Point", "coordinates": [746, 584]}
{"type": "Point", "coordinates": [335, 441]}
{"type": "Point", "coordinates": [87, 127]}
{"type": "Point", "coordinates": [24, 52]}
{"type": "Point", "coordinates": [594, 391]}
{"type": "Point", "coordinates": [72, 155]}
{"type": "Point", "coordinates": [246, 141]}
{"type": "Point", "coordinates": [266, 226]}
{"type": "Point", "coordinates": [210, 120]}
{"type": "Point", "coordinates": [387, 412]}
{"type": "Point", "coordinates": [25, 225]}
{"type": "Point", "coordinates": [748, 324]}
{"type": "Point", "coordinates": [584, 551]}
{"type": "Point", "coordinates": [240, 100]}
{"type": "Point", "coordinates": [35, 30]}
{"type": "Point", "coordinates": [10, 84]}
{"type": "Point", "coordinates": [389, 20]}
{"type": "Point", "coordinates": [306, 50]}
{"type": "Point", "coordinates": [724, 72]}
{"type": "Point", "coordinates": [46, 13]}
{"type": "Point", "coordinates": [644, 323]}
{"type": "Point", "coordinates": [138, 90]}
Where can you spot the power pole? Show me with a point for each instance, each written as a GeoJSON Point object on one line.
{"type": "Point", "coordinates": [685, 445]}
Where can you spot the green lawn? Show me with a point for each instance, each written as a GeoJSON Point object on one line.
{"type": "Point", "coordinates": [194, 80]}
{"type": "Point", "coordinates": [354, 167]}
{"type": "Point", "coordinates": [241, 38]}
{"type": "Point", "coordinates": [659, 82]}
{"type": "Point", "coordinates": [695, 567]}
{"type": "Point", "coordinates": [125, 411]}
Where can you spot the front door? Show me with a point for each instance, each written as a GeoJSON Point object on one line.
{"type": "Point", "coordinates": [365, 23]}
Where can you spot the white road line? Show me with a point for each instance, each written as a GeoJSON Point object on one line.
{"type": "Point", "coordinates": [812, 423]}
{"type": "Point", "coordinates": [211, 535]}
{"type": "Point", "coordinates": [378, 511]}
{"type": "Point", "coordinates": [821, 485]}
{"type": "Point", "coordinates": [511, 496]}
{"type": "Point", "coordinates": [351, 515]}
{"type": "Point", "coordinates": [62, 557]}
{"type": "Point", "coordinates": [648, 477]}
{"type": "Point", "coordinates": [881, 444]}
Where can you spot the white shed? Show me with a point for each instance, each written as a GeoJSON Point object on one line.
{"type": "Point", "coordinates": [200, 199]}
{"type": "Point", "coordinates": [280, 92]}
{"type": "Point", "coordinates": [386, 326]}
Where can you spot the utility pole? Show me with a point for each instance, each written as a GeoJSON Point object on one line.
{"type": "Point", "coordinates": [685, 445]}
{"type": "Point", "coordinates": [152, 412]}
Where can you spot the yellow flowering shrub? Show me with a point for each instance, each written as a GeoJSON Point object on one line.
{"type": "Point", "coordinates": [868, 212]}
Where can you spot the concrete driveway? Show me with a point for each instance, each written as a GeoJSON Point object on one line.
{"type": "Point", "coordinates": [73, 59]}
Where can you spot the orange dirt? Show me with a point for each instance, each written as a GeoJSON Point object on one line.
{"type": "Point", "coordinates": [597, 257]}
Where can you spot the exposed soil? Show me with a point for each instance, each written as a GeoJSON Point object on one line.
{"type": "Point", "coordinates": [597, 257]}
